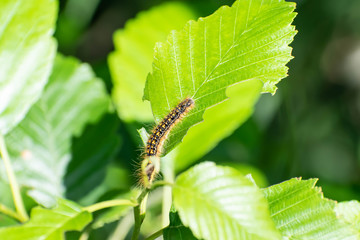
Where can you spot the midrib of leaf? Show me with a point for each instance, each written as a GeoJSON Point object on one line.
{"type": "Point", "coordinates": [220, 49]}
{"type": "Point", "coordinates": [290, 206]}
{"type": "Point", "coordinates": [296, 190]}
{"type": "Point", "coordinates": [220, 58]}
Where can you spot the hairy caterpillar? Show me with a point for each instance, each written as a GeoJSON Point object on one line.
{"type": "Point", "coordinates": [150, 165]}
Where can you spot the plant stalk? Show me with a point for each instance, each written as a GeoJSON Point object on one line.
{"type": "Point", "coordinates": [18, 201]}
{"type": "Point", "coordinates": [110, 203]}
{"type": "Point", "coordinates": [139, 213]}
{"type": "Point", "coordinates": [140, 209]}
{"type": "Point", "coordinates": [7, 211]}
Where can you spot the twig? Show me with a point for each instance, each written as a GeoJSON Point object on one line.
{"type": "Point", "coordinates": [140, 209]}
{"type": "Point", "coordinates": [110, 203]}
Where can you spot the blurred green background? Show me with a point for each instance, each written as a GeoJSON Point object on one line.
{"type": "Point", "coordinates": [310, 128]}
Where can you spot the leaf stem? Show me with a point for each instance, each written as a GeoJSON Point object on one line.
{"type": "Point", "coordinates": [18, 201]}
{"type": "Point", "coordinates": [139, 213]}
{"type": "Point", "coordinates": [110, 203]}
{"type": "Point", "coordinates": [155, 235]}
{"type": "Point", "coordinates": [140, 209]}
{"type": "Point", "coordinates": [7, 211]}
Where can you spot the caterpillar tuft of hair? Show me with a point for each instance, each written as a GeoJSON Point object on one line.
{"type": "Point", "coordinates": [151, 164]}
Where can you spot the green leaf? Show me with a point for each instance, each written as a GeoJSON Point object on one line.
{"type": "Point", "coordinates": [92, 153]}
{"type": "Point", "coordinates": [48, 224]}
{"type": "Point", "coordinates": [220, 203]}
{"type": "Point", "coordinates": [176, 230]}
{"type": "Point", "coordinates": [349, 212]}
{"type": "Point", "coordinates": [246, 41]}
{"type": "Point", "coordinates": [40, 146]}
{"type": "Point", "coordinates": [27, 51]}
{"type": "Point", "coordinates": [131, 61]}
{"type": "Point", "coordinates": [300, 211]}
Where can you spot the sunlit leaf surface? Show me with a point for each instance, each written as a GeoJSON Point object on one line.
{"type": "Point", "coordinates": [50, 224]}
{"type": "Point", "coordinates": [220, 203]}
{"type": "Point", "coordinates": [27, 51]}
{"type": "Point", "coordinates": [246, 41]}
{"type": "Point", "coordinates": [300, 211]}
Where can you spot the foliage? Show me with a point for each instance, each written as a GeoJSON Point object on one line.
{"type": "Point", "coordinates": [315, 219]}
{"type": "Point", "coordinates": [209, 55]}
{"type": "Point", "coordinates": [26, 56]}
{"type": "Point", "coordinates": [209, 198]}
{"type": "Point", "coordinates": [60, 138]}
{"type": "Point", "coordinates": [40, 146]}
{"type": "Point", "coordinates": [50, 224]}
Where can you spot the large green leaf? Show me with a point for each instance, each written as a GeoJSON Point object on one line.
{"type": "Point", "coordinates": [27, 51]}
{"type": "Point", "coordinates": [40, 146]}
{"type": "Point", "coordinates": [220, 203]}
{"type": "Point", "coordinates": [246, 41]}
{"type": "Point", "coordinates": [300, 211]}
{"type": "Point", "coordinates": [131, 61]}
{"type": "Point", "coordinates": [48, 224]}
{"type": "Point", "coordinates": [349, 212]}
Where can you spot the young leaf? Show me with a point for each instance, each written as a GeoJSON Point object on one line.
{"type": "Point", "coordinates": [246, 41]}
{"type": "Point", "coordinates": [131, 61]}
{"type": "Point", "coordinates": [40, 146]}
{"type": "Point", "coordinates": [27, 51]}
{"type": "Point", "coordinates": [220, 203]}
{"type": "Point", "coordinates": [349, 212]}
{"type": "Point", "coordinates": [51, 224]}
{"type": "Point", "coordinates": [300, 211]}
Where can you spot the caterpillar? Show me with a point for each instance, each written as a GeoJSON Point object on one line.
{"type": "Point", "coordinates": [154, 145]}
